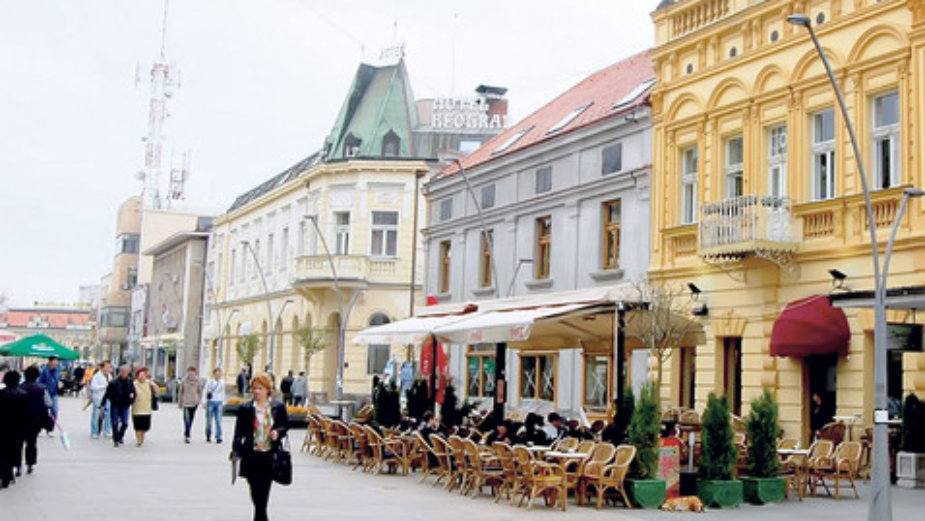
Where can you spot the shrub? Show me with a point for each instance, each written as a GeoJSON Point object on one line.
{"type": "Point", "coordinates": [718, 453]}
{"type": "Point", "coordinates": [451, 413]}
{"type": "Point", "coordinates": [763, 431]}
{"type": "Point", "coordinates": [913, 428]}
{"type": "Point", "coordinates": [644, 429]}
{"type": "Point", "coordinates": [387, 405]}
{"type": "Point", "coordinates": [417, 400]}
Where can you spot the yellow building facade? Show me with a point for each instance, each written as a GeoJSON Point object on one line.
{"type": "Point", "coordinates": [756, 193]}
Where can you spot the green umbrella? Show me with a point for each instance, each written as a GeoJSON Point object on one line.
{"type": "Point", "coordinates": [39, 346]}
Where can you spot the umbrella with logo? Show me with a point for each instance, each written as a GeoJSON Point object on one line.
{"type": "Point", "coordinates": [39, 346]}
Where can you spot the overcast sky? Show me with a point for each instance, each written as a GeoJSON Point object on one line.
{"type": "Point", "coordinates": [262, 81]}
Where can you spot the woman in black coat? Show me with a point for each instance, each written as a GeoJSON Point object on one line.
{"type": "Point", "coordinates": [260, 427]}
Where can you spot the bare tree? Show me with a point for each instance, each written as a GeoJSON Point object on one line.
{"type": "Point", "coordinates": [312, 340]}
{"type": "Point", "coordinates": [666, 324]}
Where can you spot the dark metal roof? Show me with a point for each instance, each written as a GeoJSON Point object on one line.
{"type": "Point", "coordinates": [277, 180]}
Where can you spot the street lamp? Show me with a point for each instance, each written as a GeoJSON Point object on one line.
{"type": "Point", "coordinates": [341, 319]}
{"type": "Point", "coordinates": [880, 508]}
{"type": "Point", "coordinates": [272, 357]}
{"type": "Point", "coordinates": [266, 292]}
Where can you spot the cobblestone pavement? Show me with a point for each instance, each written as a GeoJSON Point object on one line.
{"type": "Point", "coordinates": [167, 479]}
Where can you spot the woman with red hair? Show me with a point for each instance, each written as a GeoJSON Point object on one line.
{"type": "Point", "coordinates": [259, 429]}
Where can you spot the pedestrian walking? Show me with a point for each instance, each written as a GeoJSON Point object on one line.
{"type": "Point", "coordinates": [39, 408]}
{"type": "Point", "coordinates": [143, 404]}
{"type": "Point", "coordinates": [99, 416]}
{"type": "Point", "coordinates": [259, 428]}
{"type": "Point", "coordinates": [13, 419]}
{"type": "Point", "coordinates": [120, 393]}
{"type": "Point", "coordinates": [190, 396]}
{"type": "Point", "coordinates": [241, 381]}
{"type": "Point", "coordinates": [51, 379]}
{"type": "Point", "coordinates": [299, 389]}
{"type": "Point", "coordinates": [285, 387]}
{"type": "Point", "coordinates": [214, 400]}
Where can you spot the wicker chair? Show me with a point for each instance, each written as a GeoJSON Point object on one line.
{"type": "Point", "coordinates": [593, 469]}
{"type": "Point", "coordinates": [460, 473]}
{"type": "Point", "coordinates": [386, 452]}
{"type": "Point", "coordinates": [359, 446]}
{"type": "Point", "coordinates": [510, 478]}
{"type": "Point", "coordinates": [819, 450]}
{"type": "Point", "coordinates": [614, 474]}
{"type": "Point", "coordinates": [444, 454]}
{"type": "Point", "coordinates": [566, 444]}
{"type": "Point", "coordinates": [430, 462]}
{"type": "Point", "coordinates": [314, 436]}
{"type": "Point", "coordinates": [832, 431]}
{"type": "Point", "coordinates": [483, 470]}
{"type": "Point", "coordinates": [539, 478]}
{"type": "Point", "coordinates": [842, 464]}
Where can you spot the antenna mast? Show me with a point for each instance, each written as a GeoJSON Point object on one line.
{"type": "Point", "coordinates": [162, 79]}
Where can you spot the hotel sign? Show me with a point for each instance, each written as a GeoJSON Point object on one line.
{"type": "Point", "coordinates": [464, 114]}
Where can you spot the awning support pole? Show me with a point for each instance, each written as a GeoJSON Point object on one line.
{"type": "Point", "coordinates": [500, 382]}
{"type": "Point", "coordinates": [620, 342]}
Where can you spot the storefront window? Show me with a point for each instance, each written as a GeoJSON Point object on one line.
{"type": "Point", "coordinates": [481, 371]}
{"type": "Point", "coordinates": [597, 390]}
{"type": "Point", "coordinates": [538, 377]}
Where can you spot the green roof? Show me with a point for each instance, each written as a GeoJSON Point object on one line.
{"type": "Point", "coordinates": [377, 118]}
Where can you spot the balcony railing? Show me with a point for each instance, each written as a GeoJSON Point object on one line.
{"type": "Point", "coordinates": [698, 15]}
{"type": "Point", "coordinates": [736, 227]}
{"type": "Point", "coordinates": [350, 269]}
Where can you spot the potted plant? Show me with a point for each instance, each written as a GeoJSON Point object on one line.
{"type": "Point", "coordinates": [417, 400]}
{"type": "Point", "coordinates": [763, 484]}
{"type": "Point", "coordinates": [645, 488]}
{"type": "Point", "coordinates": [910, 461]}
{"type": "Point", "coordinates": [716, 486]}
{"type": "Point", "coordinates": [387, 405]}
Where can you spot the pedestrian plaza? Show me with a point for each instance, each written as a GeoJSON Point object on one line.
{"type": "Point", "coordinates": [167, 479]}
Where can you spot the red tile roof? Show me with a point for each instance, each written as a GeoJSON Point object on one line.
{"type": "Point", "coordinates": [603, 90]}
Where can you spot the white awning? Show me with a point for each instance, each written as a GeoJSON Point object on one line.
{"type": "Point", "coordinates": [408, 331]}
{"type": "Point", "coordinates": [500, 326]}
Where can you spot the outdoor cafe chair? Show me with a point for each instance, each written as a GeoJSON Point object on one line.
{"type": "Point", "coordinates": [819, 450]}
{"type": "Point", "coordinates": [314, 436]}
{"type": "Point", "coordinates": [593, 468]}
{"type": "Point", "coordinates": [539, 478]}
{"type": "Point", "coordinates": [444, 454]}
{"type": "Point", "coordinates": [566, 444]}
{"type": "Point", "coordinates": [359, 446]}
{"type": "Point", "coordinates": [510, 478]}
{"type": "Point", "coordinates": [460, 469]}
{"type": "Point", "coordinates": [343, 441]}
{"type": "Point", "coordinates": [386, 452]}
{"type": "Point", "coordinates": [484, 470]}
{"type": "Point", "coordinates": [422, 455]}
{"type": "Point", "coordinates": [614, 475]}
{"type": "Point", "coordinates": [841, 465]}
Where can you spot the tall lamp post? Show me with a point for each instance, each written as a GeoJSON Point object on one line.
{"type": "Point", "coordinates": [266, 293]}
{"type": "Point", "coordinates": [880, 507]}
{"type": "Point", "coordinates": [341, 319]}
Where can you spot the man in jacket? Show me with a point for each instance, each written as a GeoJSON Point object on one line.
{"type": "Point", "coordinates": [190, 396]}
{"type": "Point", "coordinates": [39, 404]}
{"type": "Point", "coordinates": [13, 417]}
{"type": "Point", "coordinates": [99, 417]}
{"type": "Point", "coordinates": [120, 393]}
{"type": "Point", "coordinates": [285, 387]}
{"type": "Point", "coordinates": [51, 379]}
{"type": "Point", "coordinates": [299, 389]}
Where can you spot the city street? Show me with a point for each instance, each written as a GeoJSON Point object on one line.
{"type": "Point", "coordinates": [167, 479]}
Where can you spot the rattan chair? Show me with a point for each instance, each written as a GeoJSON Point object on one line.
{"type": "Point", "coordinates": [614, 475]}
{"type": "Point", "coordinates": [444, 454]}
{"type": "Point", "coordinates": [593, 469]}
{"type": "Point", "coordinates": [538, 478]}
{"type": "Point", "coordinates": [842, 464]}
{"type": "Point", "coordinates": [510, 478]}
{"type": "Point", "coordinates": [386, 452]}
{"type": "Point", "coordinates": [483, 470]}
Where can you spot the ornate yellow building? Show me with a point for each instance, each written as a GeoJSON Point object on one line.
{"type": "Point", "coordinates": [756, 193]}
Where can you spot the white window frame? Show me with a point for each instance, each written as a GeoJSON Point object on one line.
{"type": "Point", "coordinates": [387, 231]}
{"type": "Point", "coordinates": [885, 134]}
{"type": "Point", "coordinates": [446, 209]}
{"type": "Point", "coordinates": [341, 234]}
{"type": "Point", "coordinates": [232, 268]}
{"type": "Point", "coordinates": [823, 150]}
{"type": "Point", "coordinates": [256, 253]}
{"type": "Point", "coordinates": [689, 167]}
{"type": "Point", "coordinates": [543, 179]}
{"type": "Point", "coordinates": [270, 244]}
{"type": "Point", "coordinates": [735, 170]}
{"type": "Point", "coordinates": [488, 194]}
{"type": "Point", "coordinates": [777, 161]}
{"type": "Point", "coordinates": [284, 249]}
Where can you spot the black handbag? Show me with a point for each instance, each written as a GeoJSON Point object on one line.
{"type": "Point", "coordinates": [154, 405]}
{"type": "Point", "coordinates": [282, 463]}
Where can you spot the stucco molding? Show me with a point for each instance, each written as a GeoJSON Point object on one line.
{"type": "Point", "coordinates": [729, 324]}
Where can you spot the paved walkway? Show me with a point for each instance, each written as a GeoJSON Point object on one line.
{"type": "Point", "coordinates": [167, 479]}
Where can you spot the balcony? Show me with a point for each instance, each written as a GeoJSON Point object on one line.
{"type": "Point", "coordinates": [733, 229]}
{"type": "Point", "coordinates": [697, 15]}
{"type": "Point", "coordinates": [352, 270]}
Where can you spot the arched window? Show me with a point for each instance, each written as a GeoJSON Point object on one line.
{"type": "Point", "coordinates": [390, 144]}
{"type": "Point", "coordinates": [378, 319]}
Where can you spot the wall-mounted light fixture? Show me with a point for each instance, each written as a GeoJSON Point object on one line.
{"type": "Point", "coordinates": [700, 308]}
{"type": "Point", "coordinates": [838, 279]}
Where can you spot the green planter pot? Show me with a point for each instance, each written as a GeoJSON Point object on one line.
{"type": "Point", "coordinates": [720, 493]}
{"type": "Point", "coordinates": [646, 493]}
{"type": "Point", "coordinates": [759, 491]}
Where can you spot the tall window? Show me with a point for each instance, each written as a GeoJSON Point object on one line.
{"type": "Point", "coordinates": [384, 231]}
{"type": "Point", "coordinates": [543, 179]}
{"type": "Point", "coordinates": [488, 196]}
{"type": "Point", "coordinates": [777, 161]}
{"type": "Point", "coordinates": [300, 240]}
{"type": "Point", "coordinates": [612, 159]}
{"type": "Point", "coordinates": [611, 234]}
{"type": "Point", "coordinates": [886, 140]}
{"type": "Point", "coordinates": [245, 262]}
{"type": "Point", "coordinates": [377, 355]}
{"type": "Point", "coordinates": [689, 185]}
{"type": "Point", "coordinates": [824, 155]}
{"type": "Point", "coordinates": [341, 233]}
{"type": "Point", "coordinates": [597, 377]}
{"type": "Point", "coordinates": [543, 246]}
{"type": "Point", "coordinates": [485, 275]}
{"type": "Point", "coordinates": [734, 167]}
{"type": "Point", "coordinates": [256, 254]}
{"type": "Point", "coordinates": [480, 374]}
{"type": "Point", "coordinates": [687, 376]}
{"type": "Point", "coordinates": [732, 373]}
{"type": "Point", "coordinates": [268, 267]}
{"type": "Point", "coordinates": [445, 266]}
{"type": "Point", "coordinates": [284, 250]}
{"type": "Point", "coordinates": [446, 209]}
{"type": "Point", "coordinates": [232, 270]}
{"type": "Point", "coordinates": [538, 377]}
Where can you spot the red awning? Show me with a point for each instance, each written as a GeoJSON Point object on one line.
{"type": "Point", "coordinates": [810, 326]}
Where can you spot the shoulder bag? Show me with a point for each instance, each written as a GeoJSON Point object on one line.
{"type": "Point", "coordinates": [282, 462]}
